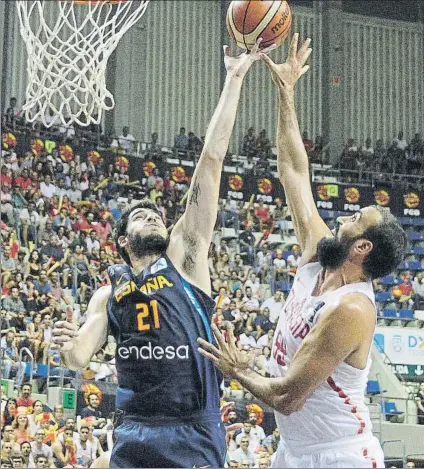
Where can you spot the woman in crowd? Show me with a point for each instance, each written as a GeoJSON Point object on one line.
{"type": "Point", "coordinates": [21, 428]}
{"type": "Point", "coordinates": [34, 264]}
{"type": "Point", "coordinates": [9, 412]}
{"type": "Point", "coordinates": [35, 334]}
{"type": "Point", "coordinates": [35, 417]}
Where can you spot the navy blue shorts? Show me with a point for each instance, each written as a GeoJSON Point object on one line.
{"type": "Point", "coordinates": [196, 442]}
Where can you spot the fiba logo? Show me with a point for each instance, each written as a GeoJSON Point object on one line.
{"type": "Point", "coordinates": [397, 343]}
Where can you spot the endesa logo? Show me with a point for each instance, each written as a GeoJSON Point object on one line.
{"type": "Point", "coordinates": [153, 352]}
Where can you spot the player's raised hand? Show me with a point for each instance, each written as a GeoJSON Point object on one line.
{"type": "Point", "coordinates": [239, 66]}
{"type": "Point", "coordinates": [226, 356]}
{"type": "Point", "coordinates": [62, 336]}
{"type": "Point", "coordinates": [285, 75]}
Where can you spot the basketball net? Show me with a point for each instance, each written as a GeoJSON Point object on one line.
{"type": "Point", "coordinates": [67, 56]}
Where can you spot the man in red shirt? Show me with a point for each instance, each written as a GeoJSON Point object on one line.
{"type": "Point", "coordinates": [103, 228]}
{"type": "Point", "coordinates": [24, 181]}
{"type": "Point", "coordinates": [25, 398]}
{"type": "Point", "coordinates": [262, 214]}
{"type": "Point", "coordinates": [5, 179]}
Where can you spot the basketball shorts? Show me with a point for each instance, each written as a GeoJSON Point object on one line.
{"type": "Point", "coordinates": [366, 454]}
{"type": "Point", "coordinates": [196, 442]}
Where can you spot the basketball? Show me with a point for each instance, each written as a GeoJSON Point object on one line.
{"type": "Point", "coordinates": [247, 21]}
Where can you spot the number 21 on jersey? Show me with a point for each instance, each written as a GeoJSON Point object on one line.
{"type": "Point", "coordinates": [147, 310]}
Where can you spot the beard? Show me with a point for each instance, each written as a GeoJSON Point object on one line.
{"type": "Point", "coordinates": [333, 252]}
{"type": "Point", "coordinates": [152, 244]}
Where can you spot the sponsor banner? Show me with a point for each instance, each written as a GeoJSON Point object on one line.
{"type": "Point", "coordinates": [412, 203]}
{"type": "Point", "coordinates": [266, 188]}
{"type": "Point", "coordinates": [234, 186]}
{"type": "Point", "coordinates": [411, 371]}
{"type": "Point", "coordinates": [401, 345]}
{"type": "Point", "coordinates": [401, 201]}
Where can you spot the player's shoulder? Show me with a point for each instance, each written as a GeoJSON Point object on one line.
{"type": "Point", "coordinates": [354, 308]}
{"type": "Point", "coordinates": [117, 270]}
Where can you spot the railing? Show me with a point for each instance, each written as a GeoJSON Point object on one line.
{"type": "Point", "coordinates": [364, 177]}
{"type": "Point", "coordinates": [376, 418]}
{"type": "Point", "coordinates": [31, 356]}
{"type": "Point", "coordinates": [408, 415]}
{"type": "Point", "coordinates": [402, 442]}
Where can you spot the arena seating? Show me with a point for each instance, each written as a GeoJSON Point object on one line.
{"type": "Point", "coordinates": [82, 211]}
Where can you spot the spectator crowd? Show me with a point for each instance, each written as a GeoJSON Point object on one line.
{"type": "Point", "coordinates": [57, 217]}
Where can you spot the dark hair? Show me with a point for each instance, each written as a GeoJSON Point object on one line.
{"type": "Point", "coordinates": [39, 456]}
{"type": "Point", "coordinates": [121, 225]}
{"type": "Point", "coordinates": [389, 245]}
{"type": "Point", "coordinates": [8, 418]}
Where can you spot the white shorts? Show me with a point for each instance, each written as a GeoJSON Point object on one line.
{"type": "Point", "coordinates": [369, 455]}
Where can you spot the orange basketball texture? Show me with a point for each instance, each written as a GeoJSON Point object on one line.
{"type": "Point", "coordinates": [249, 20]}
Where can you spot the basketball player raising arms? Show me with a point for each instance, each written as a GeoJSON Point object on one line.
{"type": "Point", "coordinates": [320, 360]}
{"type": "Point", "coordinates": [157, 305]}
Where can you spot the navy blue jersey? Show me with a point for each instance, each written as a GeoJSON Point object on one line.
{"type": "Point", "coordinates": [156, 318]}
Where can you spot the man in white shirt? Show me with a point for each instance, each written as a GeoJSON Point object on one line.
{"type": "Point", "coordinates": [253, 283]}
{"type": "Point", "coordinates": [38, 447]}
{"type": "Point", "coordinates": [85, 450]}
{"type": "Point", "coordinates": [265, 340]}
{"type": "Point", "coordinates": [92, 241]}
{"type": "Point", "coordinates": [251, 304]}
{"type": "Point", "coordinates": [255, 436]}
{"type": "Point", "coordinates": [275, 305]}
{"type": "Point", "coordinates": [74, 194]}
{"type": "Point", "coordinates": [400, 142]}
{"type": "Point", "coordinates": [247, 340]}
{"type": "Point", "coordinates": [256, 431]}
{"type": "Point", "coordinates": [126, 140]}
{"type": "Point", "coordinates": [47, 335]}
{"type": "Point", "coordinates": [47, 189]}
{"type": "Point", "coordinates": [243, 453]}
{"type": "Point", "coordinates": [279, 263]}
{"type": "Point", "coordinates": [294, 260]}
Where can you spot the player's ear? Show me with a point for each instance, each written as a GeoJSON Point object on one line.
{"type": "Point", "coordinates": [363, 246]}
{"type": "Point", "coordinates": [122, 241]}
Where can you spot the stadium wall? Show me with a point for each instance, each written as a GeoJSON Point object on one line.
{"type": "Point", "coordinates": [168, 74]}
{"type": "Point", "coordinates": [383, 78]}
{"type": "Point", "coordinates": [170, 65]}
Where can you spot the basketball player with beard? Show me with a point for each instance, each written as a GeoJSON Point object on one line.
{"type": "Point", "coordinates": [321, 351]}
{"type": "Point", "coordinates": [156, 307]}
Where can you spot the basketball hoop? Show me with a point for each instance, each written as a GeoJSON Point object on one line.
{"type": "Point", "coordinates": [67, 56]}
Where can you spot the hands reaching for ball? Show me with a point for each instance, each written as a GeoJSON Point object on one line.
{"type": "Point", "coordinates": [284, 75]}
{"type": "Point", "coordinates": [239, 66]}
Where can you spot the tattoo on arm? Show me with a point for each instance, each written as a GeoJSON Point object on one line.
{"type": "Point", "coordinates": [190, 247]}
{"type": "Point", "coordinates": [194, 198]}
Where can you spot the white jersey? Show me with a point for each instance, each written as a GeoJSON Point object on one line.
{"type": "Point", "coordinates": [336, 410]}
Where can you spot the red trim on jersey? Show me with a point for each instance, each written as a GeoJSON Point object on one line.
{"type": "Point", "coordinates": [373, 461]}
{"type": "Point", "coordinates": [346, 398]}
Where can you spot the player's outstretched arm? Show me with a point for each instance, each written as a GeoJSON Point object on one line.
{"type": "Point", "coordinates": [195, 228]}
{"type": "Point", "coordinates": [292, 159]}
{"type": "Point", "coordinates": [77, 346]}
{"type": "Point", "coordinates": [337, 336]}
